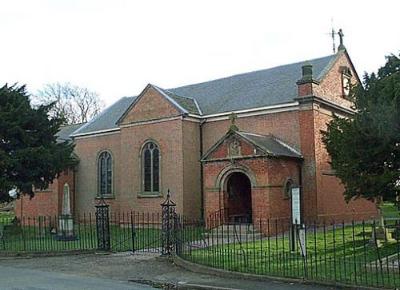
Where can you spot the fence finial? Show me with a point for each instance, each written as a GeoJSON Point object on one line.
{"type": "Point", "coordinates": [168, 201]}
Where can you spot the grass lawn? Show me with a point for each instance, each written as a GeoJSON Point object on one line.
{"type": "Point", "coordinates": [334, 254]}
{"type": "Point", "coordinates": [29, 238]}
{"type": "Point", "coordinates": [390, 210]}
{"type": "Point", "coordinates": [6, 215]}
{"type": "Point", "coordinates": [33, 239]}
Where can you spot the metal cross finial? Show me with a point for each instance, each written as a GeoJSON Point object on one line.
{"type": "Point", "coordinates": [333, 40]}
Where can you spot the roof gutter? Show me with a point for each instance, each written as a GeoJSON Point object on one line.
{"type": "Point", "coordinates": [96, 132]}
{"type": "Point", "coordinates": [260, 109]}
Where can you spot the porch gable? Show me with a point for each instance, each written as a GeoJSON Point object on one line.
{"type": "Point", "coordinates": [237, 144]}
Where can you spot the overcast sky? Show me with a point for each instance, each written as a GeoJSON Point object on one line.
{"type": "Point", "coordinates": [116, 47]}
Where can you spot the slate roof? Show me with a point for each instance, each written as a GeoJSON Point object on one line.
{"type": "Point", "coordinates": [261, 88]}
{"type": "Point", "coordinates": [65, 132]}
{"type": "Point", "coordinates": [254, 89]}
{"type": "Point", "coordinates": [271, 145]}
{"type": "Point", "coordinates": [107, 120]}
{"type": "Point", "coordinates": [189, 104]}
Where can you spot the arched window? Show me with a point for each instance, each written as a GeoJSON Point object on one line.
{"type": "Point", "coordinates": [151, 168]}
{"type": "Point", "coordinates": [105, 173]}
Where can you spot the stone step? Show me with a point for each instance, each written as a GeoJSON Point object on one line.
{"type": "Point", "coordinates": [238, 228]}
{"type": "Point", "coordinates": [241, 232]}
{"type": "Point", "coordinates": [232, 237]}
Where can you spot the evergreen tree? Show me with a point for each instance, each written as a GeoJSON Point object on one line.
{"type": "Point", "coordinates": [30, 157]}
{"type": "Point", "coordinates": [365, 149]}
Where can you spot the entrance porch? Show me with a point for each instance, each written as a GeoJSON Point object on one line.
{"type": "Point", "coordinates": [247, 179]}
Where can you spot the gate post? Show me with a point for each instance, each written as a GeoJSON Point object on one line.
{"type": "Point", "coordinates": [103, 226]}
{"type": "Point", "coordinates": [168, 225]}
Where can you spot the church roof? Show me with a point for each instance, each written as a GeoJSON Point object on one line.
{"type": "Point", "coordinates": [65, 132]}
{"type": "Point", "coordinates": [271, 145]}
{"type": "Point", "coordinates": [107, 120]}
{"type": "Point", "coordinates": [255, 89]}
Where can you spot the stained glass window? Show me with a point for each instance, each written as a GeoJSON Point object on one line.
{"type": "Point", "coordinates": [105, 173]}
{"type": "Point", "coordinates": [151, 167]}
{"type": "Point", "coordinates": [147, 169]}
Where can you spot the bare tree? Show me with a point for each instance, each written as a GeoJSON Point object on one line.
{"type": "Point", "coordinates": [73, 103]}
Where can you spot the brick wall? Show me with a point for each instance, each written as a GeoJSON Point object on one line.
{"type": "Point", "coordinates": [330, 87]}
{"type": "Point", "coordinates": [321, 189]}
{"type": "Point", "coordinates": [171, 165]}
{"type": "Point", "coordinates": [88, 149]}
{"type": "Point", "coordinates": [331, 202]}
{"type": "Point", "coordinates": [283, 125]}
{"type": "Point", "coordinates": [191, 169]}
{"type": "Point", "coordinates": [47, 202]}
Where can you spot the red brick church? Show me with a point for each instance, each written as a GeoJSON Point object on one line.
{"type": "Point", "coordinates": [236, 144]}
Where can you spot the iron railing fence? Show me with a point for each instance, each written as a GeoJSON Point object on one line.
{"type": "Point", "coordinates": [354, 253]}
{"type": "Point", "coordinates": [136, 231]}
{"type": "Point", "coordinates": [128, 231]}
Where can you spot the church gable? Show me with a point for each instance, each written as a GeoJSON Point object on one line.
{"type": "Point", "coordinates": [237, 144]}
{"type": "Point", "coordinates": [230, 146]}
{"type": "Point", "coordinates": [335, 85]}
{"type": "Point", "coordinates": [152, 104]}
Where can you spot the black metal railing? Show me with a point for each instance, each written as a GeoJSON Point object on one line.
{"type": "Point", "coordinates": [354, 253]}
{"type": "Point", "coordinates": [126, 231]}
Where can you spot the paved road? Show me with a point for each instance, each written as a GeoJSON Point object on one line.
{"type": "Point", "coordinates": [12, 278]}
{"type": "Point", "coordinates": [95, 271]}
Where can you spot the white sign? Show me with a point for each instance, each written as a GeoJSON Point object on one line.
{"type": "Point", "coordinates": [296, 205]}
{"type": "Point", "coordinates": [302, 241]}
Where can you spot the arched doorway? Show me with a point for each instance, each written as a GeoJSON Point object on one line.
{"type": "Point", "coordinates": [238, 198]}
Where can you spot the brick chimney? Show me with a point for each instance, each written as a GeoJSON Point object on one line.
{"type": "Point", "coordinates": [306, 84]}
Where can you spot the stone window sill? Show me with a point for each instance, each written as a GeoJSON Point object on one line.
{"type": "Point", "coordinates": [149, 194]}
{"type": "Point", "coordinates": [106, 197]}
